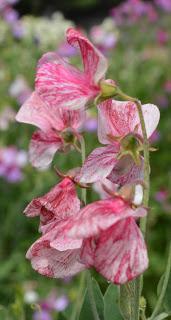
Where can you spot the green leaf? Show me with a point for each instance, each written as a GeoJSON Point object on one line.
{"type": "Point", "coordinates": [86, 309]}
{"type": "Point", "coordinates": [167, 299]}
{"type": "Point", "coordinates": [162, 316]}
{"type": "Point", "coordinates": [111, 309]}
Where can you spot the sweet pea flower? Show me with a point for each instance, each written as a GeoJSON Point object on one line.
{"type": "Point", "coordinates": [112, 241]}
{"type": "Point", "coordinates": [54, 254]}
{"type": "Point", "coordinates": [56, 127]}
{"type": "Point", "coordinates": [61, 85]}
{"type": "Point", "coordinates": [118, 125]}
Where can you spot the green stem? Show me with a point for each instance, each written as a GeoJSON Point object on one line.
{"type": "Point", "coordinates": [83, 155]}
{"type": "Point", "coordinates": [89, 281]}
{"type": "Point", "coordinates": [91, 296]}
{"type": "Point", "coordinates": [78, 304]}
{"type": "Point", "coordinates": [138, 283]}
{"type": "Point", "coordinates": [164, 287]}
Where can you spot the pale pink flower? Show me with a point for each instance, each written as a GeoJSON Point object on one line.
{"type": "Point", "coordinates": [116, 120]}
{"type": "Point", "coordinates": [54, 124]}
{"type": "Point", "coordinates": [54, 254]}
{"type": "Point", "coordinates": [62, 85]}
{"type": "Point", "coordinates": [112, 241]}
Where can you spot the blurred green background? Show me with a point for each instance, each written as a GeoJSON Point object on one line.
{"type": "Point", "coordinates": [137, 44]}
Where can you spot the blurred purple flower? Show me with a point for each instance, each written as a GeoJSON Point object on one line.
{"type": "Point", "coordinates": [17, 30]}
{"type": "Point", "coordinates": [42, 315]}
{"type": "Point", "coordinates": [130, 11]}
{"type": "Point", "coordinates": [162, 37]}
{"type": "Point", "coordinates": [90, 124]}
{"type": "Point", "coordinates": [65, 50]}
{"type": "Point", "coordinates": [103, 38]}
{"type": "Point", "coordinates": [162, 101]}
{"type": "Point", "coordinates": [11, 162]}
{"type": "Point", "coordinates": [54, 302]}
{"type": "Point", "coordinates": [19, 89]}
{"type": "Point", "coordinates": [167, 86]}
{"type": "Point", "coordinates": [10, 15]}
{"type": "Point", "coordinates": [164, 4]}
{"type": "Point", "coordinates": [61, 303]}
{"type": "Point", "coordinates": [161, 196]}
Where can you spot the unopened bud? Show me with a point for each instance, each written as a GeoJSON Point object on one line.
{"type": "Point", "coordinates": [108, 89]}
{"type": "Point", "coordinates": [132, 193]}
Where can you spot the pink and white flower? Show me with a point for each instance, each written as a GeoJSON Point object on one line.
{"type": "Point", "coordinates": [54, 254]}
{"type": "Point", "coordinates": [112, 241]}
{"type": "Point", "coordinates": [62, 85]}
{"type": "Point", "coordinates": [117, 120]}
{"type": "Point", "coordinates": [53, 124]}
{"type": "Point", "coordinates": [56, 205]}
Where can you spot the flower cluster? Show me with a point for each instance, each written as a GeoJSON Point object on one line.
{"type": "Point", "coordinates": [131, 10]}
{"type": "Point", "coordinates": [103, 234]}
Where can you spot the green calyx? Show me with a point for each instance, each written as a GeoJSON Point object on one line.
{"type": "Point", "coordinates": [108, 89]}
{"type": "Point", "coordinates": [131, 145]}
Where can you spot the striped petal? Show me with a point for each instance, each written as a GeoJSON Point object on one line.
{"type": "Point", "coordinates": [100, 215]}
{"type": "Point", "coordinates": [118, 118]}
{"type": "Point", "coordinates": [98, 164]}
{"type": "Point", "coordinates": [43, 147]}
{"type": "Point", "coordinates": [95, 64]}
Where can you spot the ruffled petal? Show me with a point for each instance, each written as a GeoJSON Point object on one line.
{"type": "Point", "coordinates": [63, 86]}
{"type": "Point", "coordinates": [98, 164]}
{"type": "Point", "coordinates": [120, 253]}
{"type": "Point", "coordinates": [119, 118]}
{"type": "Point", "coordinates": [100, 215]}
{"type": "Point", "coordinates": [95, 64]}
{"type": "Point", "coordinates": [35, 111]}
{"type": "Point", "coordinates": [126, 171]}
{"type": "Point", "coordinates": [151, 116]}
{"type": "Point", "coordinates": [42, 148]}
{"type": "Point", "coordinates": [51, 262]}
{"type": "Point", "coordinates": [101, 186]}
{"type": "Point", "coordinates": [59, 203]}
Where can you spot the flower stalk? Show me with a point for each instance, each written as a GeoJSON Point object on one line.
{"type": "Point", "coordinates": [137, 284]}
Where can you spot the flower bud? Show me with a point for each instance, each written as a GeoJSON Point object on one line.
{"type": "Point", "coordinates": [108, 89]}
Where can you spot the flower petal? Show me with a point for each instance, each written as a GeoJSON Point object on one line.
{"type": "Point", "coordinates": [51, 262]}
{"type": "Point", "coordinates": [42, 148]}
{"type": "Point", "coordinates": [126, 171]}
{"type": "Point", "coordinates": [98, 164]}
{"type": "Point", "coordinates": [121, 253]}
{"type": "Point", "coordinates": [151, 116]}
{"type": "Point", "coordinates": [100, 215]}
{"type": "Point", "coordinates": [35, 111]}
{"type": "Point", "coordinates": [59, 203]}
{"type": "Point", "coordinates": [95, 64]}
{"type": "Point", "coordinates": [61, 85]}
{"type": "Point", "coordinates": [119, 118]}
